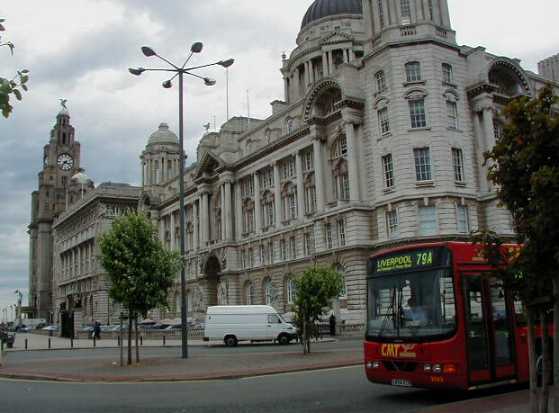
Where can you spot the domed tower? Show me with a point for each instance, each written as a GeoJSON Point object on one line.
{"type": "Point", "coordinates": [160, 159]}
{"type": "Point", "coordinates": [331, 34]}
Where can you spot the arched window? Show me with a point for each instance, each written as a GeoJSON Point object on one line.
{"type": "Point", "coordinates": [249, 293]}
{"type": "Point", "coordinates": [268, 290]}
{"type": "Point", "coordinates": [507, 81]}
{"type": "Point", "coordinates": [291, 290]}
{"type": "Point", "coordinates": [327, 101]}
{"type": "Point", "coordinates": [338, 161]}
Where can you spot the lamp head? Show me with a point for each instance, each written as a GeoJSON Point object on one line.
{"type": "Point", "coordinates": [209, 82]}
{"type": "Point", "coordinates": [226, 63]}
{"type": "Point", "coordinates": [197, 47]}
{"type": "Point", "coordinates": [136, 71]}
{"type": "Point", "coordinates": [148, 51]}
{"type": "Point", "coordinates": [167, 84]}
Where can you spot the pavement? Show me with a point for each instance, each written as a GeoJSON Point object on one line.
{"type": "Point", "coordinates": [511, 402]}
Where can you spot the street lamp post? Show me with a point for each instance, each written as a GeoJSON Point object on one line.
{"type": "Point", "coordinates": [19, 295]}
{"type": "Point", "coordinates": [180, 72]}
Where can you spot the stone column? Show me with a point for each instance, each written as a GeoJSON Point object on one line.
{"type": "Point", "coordinates": [489, 127]}
{"type": "Point", "coordinates": [204, 219]}
{"type": "Point", "coordinates": [196, 223]}
{"type": "Point", "coordinates": [318, 173]}
{"type": "Point", "coordinates": [238, 215]}
{"type": "Point", "coordinates": [228, 212]}
{"type": "Point", "coordinates": [296, 86]}
{"type": "Point", "coordinates": [223, 215]}
{"type": "Point", "coordinates": [300, 186]}
{"type": "Point", "coordinates": [325, 70]}
{"type": "Point", "coordinates": [445, 13]}
{"type": "Point", "coordinates": [257, 205]}
{"type": "Point", "coordinates": [307, 75]}
{"type": "Point", "coordinates": [330, 62]}
{"type": "Point", "coordinates": [143, 172]}
{"type": "Point", "coordinates": [172, 230]}
{"type": "Point", "coordinates": [352, 162]}
{"type": "Point", "coordinates": [346, 55]}
{"type": "Point", "coordinates": [481, 147]}
{"type": "Point", "coordinates": [277, 195]}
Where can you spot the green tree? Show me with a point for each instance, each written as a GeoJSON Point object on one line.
{"type": "Point", "coordinates": [14, 86]}
{"type": "Point", "coordinates": [524, 166]}
{"type": "Point", "coordinates": [315, 290]}
{"type": "Point", "coordinates": [140, 269]}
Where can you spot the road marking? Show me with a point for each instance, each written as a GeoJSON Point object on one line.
{"type": "Point", "coordinates": [294, 373]}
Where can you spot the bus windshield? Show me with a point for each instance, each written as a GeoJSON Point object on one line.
{"type": "Point", "coordinates": [413, 306]}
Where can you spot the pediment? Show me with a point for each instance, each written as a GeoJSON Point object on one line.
{"type": "Point", "coordinates": [337, 37]}
{"type": "Point", "coordinates": [209, 164]}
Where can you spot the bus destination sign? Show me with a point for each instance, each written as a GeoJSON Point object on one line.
{"type": "Point", "coordinates": [406, 261]}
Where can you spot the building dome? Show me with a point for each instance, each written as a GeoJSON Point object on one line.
{"type": "Point", "coordinates": [325, 8]}
{"type": "Point", "coordinates": [163, 136]}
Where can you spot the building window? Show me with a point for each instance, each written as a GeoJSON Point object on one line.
{"type": "Point", "coordinates": [292, 248]}
{"type": "Point", "coordinates": [452, 114]}
{"type": "Point", "coordinates": [427, 220]}
{"type": "Point", "coordinates": [247, 187]}
{"type": "Point", "coordinates": [262, 250]}
{"type": "Point", "coordinates": [248, 216]}
{"type": "Point", "coordinates": [413, 72]}
{"type": "Point", "coordinates": [340, 270]}
{"type": "Point", "coordinates": [392, 224]}
{"type": "Point", "coordinates": [383, 121]}
{"type": "Point", "coordinates": [381, 12]}
{"type": "Point", "coordinates": [308, 243]}
{"type": "Point", "coordinates": [339, 148]}
{"type": "Point", "coordinates": [307, 159]}
{"type": "Point", "coordinates": [422, 164]}
{"type": "Point", "coordinates": [458, 164]}
{"type": "Point", "coordinates": [250, 258]}
{"type": "Point", "coordinates": [341, 184]}
{"type": "Point", "coordinates": [289, 202]}
{"type": "Point", "coordinates": [448, 76]}
{"type": "Point", "coordinates": [381, 81]}
{"type": "Point", "coordinates": [338, 160]}
{"type": "Point", "coordinates": [266, 177]}
{"type": "Point", "coordinates": [291, 291]}
{"type": "Point", "coordinates": [463, 219]}
{"type": "Point", "coordinates": [388, 171]}
{"type": "Point", "coordinates": [287, 168]}
{"type": "Point", "coordinates": [310, 199]}
{"type": "Point", "coordinates": [405, 8]}
{"type": "Point", "coordinates": [271, 252]}
{"type": "Point", "coordinates": [268, 210]}
{"type": "Point", "coordinates": [328, 235]}
{"type": "Point", "coordinates": [283, 250]}
{"type": "Point", "coordinates": [417, 113]}
{"type": "Point", "coordinates": [268, 292]}
{"type": "Point", "coordinates": [249, 293]}
{"type": "Point", "coordinates": [341, 232]}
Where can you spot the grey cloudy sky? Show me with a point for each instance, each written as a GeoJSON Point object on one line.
{"type": "Point", "coordinates": [81, 49]}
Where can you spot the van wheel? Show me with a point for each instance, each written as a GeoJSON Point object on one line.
{"type": "Point", "coordinates": [230, 341]}
{"type": "Point", "coordinates": [283, 339]}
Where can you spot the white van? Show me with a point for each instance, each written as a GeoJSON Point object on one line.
{"type": "Point", "coordinates": [234, 323]}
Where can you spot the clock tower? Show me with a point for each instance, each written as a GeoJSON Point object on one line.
{"type": "Point", "coordinates": [61, 161]}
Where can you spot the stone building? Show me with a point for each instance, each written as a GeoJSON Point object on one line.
{"type": "Point", "coordinates": [378, 141]}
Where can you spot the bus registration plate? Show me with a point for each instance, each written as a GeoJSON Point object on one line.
{"type": "Point", "coordinates": [401, 383]}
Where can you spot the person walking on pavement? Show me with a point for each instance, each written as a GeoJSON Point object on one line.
{"type": "Point", "coordinates": [332, 325]}
{"type": "Point", "coordinates": [97, 330]}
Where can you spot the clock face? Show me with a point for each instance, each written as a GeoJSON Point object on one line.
{"type": "Point", "coordinates": [65, 162]}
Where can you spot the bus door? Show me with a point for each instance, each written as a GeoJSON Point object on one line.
{"type": "Point", "coordinates": [489, 330]}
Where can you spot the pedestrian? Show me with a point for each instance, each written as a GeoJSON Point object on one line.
{"type": "Point", "coordinates": [332, 325]}
{"type": "Point", "coordinates": [97, 330]}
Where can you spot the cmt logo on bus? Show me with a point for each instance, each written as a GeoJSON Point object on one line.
{"type": "Point", "coordinates": [398, 351]}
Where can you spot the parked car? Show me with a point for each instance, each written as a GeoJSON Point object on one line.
{"type": "Point", "coordinates": [86, 329]}
{"type": "Point", "coordinates": [247, 322]}
{"type": "Point", "coordinates": [52, 327]}
{"type": "Point", "coordinates": [23, 329]}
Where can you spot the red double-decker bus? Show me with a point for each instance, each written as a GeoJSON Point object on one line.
{"type": "Point", "coordinates": [436, 318]}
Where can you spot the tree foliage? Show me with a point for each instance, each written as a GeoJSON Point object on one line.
{"type": "Point", "coordinates": [315, 290]}
{"type": "Point", "coordinates": [140, 269]}
{"type": "Point", "coordinates": [524, 165]}
{"type": "Point", "coordinates": [14, 86]}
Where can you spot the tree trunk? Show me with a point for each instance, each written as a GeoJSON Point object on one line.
{"type": "Point", "coordinates": [544, 403]}
{"type": "Point", "coordinates": [304, 338]}
{"type": "Point", "coordinates": [136, 332]}
{"type": "Point", "coordinates": [555, 357]}
{"type": "Point", "coordinates": [532, 358]}
{"type": "Point", "coordinates": [130, 316]}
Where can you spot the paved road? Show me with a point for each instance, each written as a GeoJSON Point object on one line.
{"type": "Point", "coordinates": [341, 390]}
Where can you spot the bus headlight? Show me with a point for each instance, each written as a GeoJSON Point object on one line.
{"type": "Point", "coordinates": [437, 368]}
{"type": "Point", "coordinates": [373, 364]}
{"type": "Point", "coordinates": [427, 368]}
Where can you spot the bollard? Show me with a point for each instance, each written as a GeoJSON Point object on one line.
{"type": "Point", "coordinates": [141, 340]}
{"type": "Point", "coordinates": [118, 340]}
{"type": "Point", "coordinates": [25, 344]}
{"type": "Point", "coordinates": [94, 342]}
{"type": "Point", "coordinates": [71, 342]}
{"type": "Point", "coordinates": [163, 341]}
{"type": "Point", "coordinates": [49, 343]}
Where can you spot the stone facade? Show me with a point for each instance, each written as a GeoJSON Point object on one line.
{"type": "Point", "coordinates": [378, 141]}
